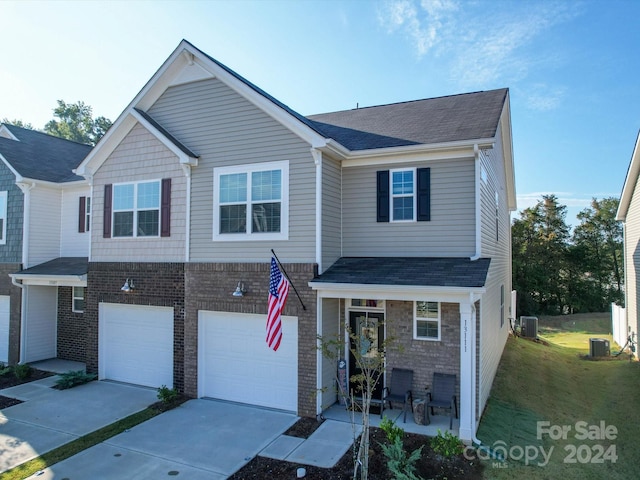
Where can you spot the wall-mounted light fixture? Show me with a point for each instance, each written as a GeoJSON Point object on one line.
{"type": "Point", "coordinates": [128, 286]}
{"type": "Point", "coordinates": [240, 290]}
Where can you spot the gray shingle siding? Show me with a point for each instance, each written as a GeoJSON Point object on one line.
{"type": "Point", "coordinates": [11, 251]}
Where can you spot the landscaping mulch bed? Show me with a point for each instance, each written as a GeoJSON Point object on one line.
{"type": "Point", "coordinates": [10, 380]}
{"type": "Point", "coordinates": [430, 465]}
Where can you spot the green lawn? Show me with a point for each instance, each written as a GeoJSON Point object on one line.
{"type": "Point", "coordinates": [594, 401]}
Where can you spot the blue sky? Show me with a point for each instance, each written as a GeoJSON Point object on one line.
{"type": "Point", "coordinates": [573, 67]}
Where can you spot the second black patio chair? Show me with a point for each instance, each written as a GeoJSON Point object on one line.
{"type": "Point", "coordinates": [399, 390]}
{"type": "Point", "coordinates": [442, 395]}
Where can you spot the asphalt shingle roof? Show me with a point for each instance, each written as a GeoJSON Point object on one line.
{"type": "Point", "coordinates": [468, 116]}
{"type": "Point", "coordinates": [60, 266]}
{"type": "Point", "coordinates": [410, 271]}
{"type": "Point", "coordinates": [42, 157]}
{"type": "Point", "coordinates": [183, 148]}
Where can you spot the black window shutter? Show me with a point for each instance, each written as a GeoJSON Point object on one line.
{"type": "Point", "coordinates": [165, 208]}
{"type": "Point", "coordinates": [106, 221]}
{"type": "Point", "coordinates": [82, 207]}
{"type": "Point", "coordinates": [382, 209]}
{"type": "Point", "coordinates": [424, 194]}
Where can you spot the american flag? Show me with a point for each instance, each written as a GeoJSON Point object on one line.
{"type": "Point", "coordinates": [278, 291]}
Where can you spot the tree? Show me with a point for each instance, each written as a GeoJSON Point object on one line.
{"type": "Point", "coordinates": [18, 123]}
{"type": "Point", "coordinates": [75, 122]}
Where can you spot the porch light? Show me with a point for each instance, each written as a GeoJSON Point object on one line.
{"type": "Point", "coordinates": [240, 290]}
{"type": "Point", "coordinates": [128, 286]}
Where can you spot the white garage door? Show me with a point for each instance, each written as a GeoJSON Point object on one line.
{"type": "Point", "coordinates": [136, 344]}
{"type": "Point", "coordinates": [4, 328]}
{"type": "Point", "coordinates": [235, 363]}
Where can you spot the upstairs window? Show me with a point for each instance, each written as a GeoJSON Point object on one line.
{"type": "Point", "coordinates": [426, 324]}
{"type": "Point", "coordinates": [84, 214]}
{"type": "Point", "coordinates": [3, 218]}
{"type": "Point", "coordinates": [403, 195]}
{"type": "Point", "coordinates": [251, 202]}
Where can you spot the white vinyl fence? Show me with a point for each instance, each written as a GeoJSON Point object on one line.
{"type": "Point", "coordinates": [619, 324]}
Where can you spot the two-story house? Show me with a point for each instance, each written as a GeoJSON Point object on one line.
{"type": "Point", "coordinates": [393, 220]}
{"type": "Point", "coordinates": [44, 245]}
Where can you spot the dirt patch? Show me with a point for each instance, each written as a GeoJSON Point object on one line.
{"type": "Point", "coordinates": [10, 380]}
{"type": "Point", "coordinates": [6, 402]}
{"type": "Point", "coordinates": [161, 406]}
{"type": "Point", "coordinates": [430, 465]}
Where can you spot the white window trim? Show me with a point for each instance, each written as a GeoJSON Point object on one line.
{"type": "Point", "coordinates": [283, 234]}
{"type": "Point", "coordinates": [416, 319]}
{"type": "Point", "coordinates": [73, 299]}
{"type": "Point", "coordinates": [87, 213]}
{"type": "Point", "coordinates": [414, 195]}
{"type": "Point", "coordinates": [135, 209]}
{"type": "Point", "coordinates": [3, 215]}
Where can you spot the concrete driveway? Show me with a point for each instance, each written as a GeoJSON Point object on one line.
{"type": "Point", "coordinates": [49, 418]}
{"type": "Point", "coordinates": [201, 439]}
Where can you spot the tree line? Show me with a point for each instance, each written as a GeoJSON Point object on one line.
{"type": "Point", "coordinates": [559, 271]}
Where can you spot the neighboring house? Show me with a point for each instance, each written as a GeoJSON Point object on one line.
{"type": "Point", "coordinates": [44, 246]}
{"type": "Point", "coordinates": [396, 215]}
{"type": "Point", "coordinates": [629, 214]}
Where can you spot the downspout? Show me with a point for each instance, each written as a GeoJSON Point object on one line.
{"type": "Point", "coordinates": [317, 159]}
{"type": "Point", "coordinates": [474, 313]}
{"type": "Point", "coordinates": [478, 200]}
{"type": "Point", "coordinates": [89, 177]}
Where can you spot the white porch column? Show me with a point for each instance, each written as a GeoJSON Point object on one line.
{"type": "Point", "coordinates": [467, 374]}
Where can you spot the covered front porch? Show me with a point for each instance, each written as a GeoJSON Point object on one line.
{"type": "Point", "coordinates": [419, 314]}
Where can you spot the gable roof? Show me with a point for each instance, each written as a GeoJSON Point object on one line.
{"type": "Point", "coordinates": [630, 182]}
{"type": "Point", "coordinates": [408, 271]}
{"type": "Point", "coordinates": [39, 156]}
{"type": "Point", "coordinates": [455, 118]}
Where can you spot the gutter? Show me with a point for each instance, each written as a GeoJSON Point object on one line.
{"type": "Point", "coordinates": [23, 305]}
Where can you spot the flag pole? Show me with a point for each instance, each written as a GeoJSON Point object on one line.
{"type": "Point", "coordinates": [286, 275]}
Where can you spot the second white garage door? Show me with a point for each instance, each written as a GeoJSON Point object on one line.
{"type": "Point", "coordinates": [136, 344]}
{"type": "Point", "coordinates": [235, 363]}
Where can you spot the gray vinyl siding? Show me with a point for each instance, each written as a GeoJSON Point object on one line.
{"type": "Point", "coordinates": [632, 259]}
{"type": "Point", "coordinates": [331, 212]}
{"type": "Point", "coordinates": [493, 334]}
{"type": "Point", "coordinates": [11, 251]}
{"type": "Point", "coordinates": [225, 129]}
{"type": "Point", "coordinates": [140, 156]}
{"type": "Point", "coordinates": [450, 233]}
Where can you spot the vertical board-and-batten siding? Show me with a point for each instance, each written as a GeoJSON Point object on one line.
{"type": "Point", "coordinates": [72, 242]}
{"type": "Point", "coordinates": [140, 157]}
{"type": "Point", "coordinates": [449, 233]}
{"type": "Point", "coordinates": [44, 225]}
{"type": "Point", "coordinates": [493, 334]}
{"type": "Point", "coordinates": [632, 259]}
{"type": "Point", "coordinates": [225, 129]}
{"type": "Point", "coordinates": [331, 212]}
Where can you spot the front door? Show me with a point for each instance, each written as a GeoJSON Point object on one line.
{"type": "Point", "coordinates": [367, 339]}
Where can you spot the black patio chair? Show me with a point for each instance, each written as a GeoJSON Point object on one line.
{"type": "Point", "coordinates": [442, 395]}
{"type": "Point", "coordinates": [399, 390]}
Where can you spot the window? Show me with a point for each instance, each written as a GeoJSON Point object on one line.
{"type": "Point", "coordinates": [84, 214]}
{"type": "Point", "coordinates": [251, 202]}
{"type": "Point", "coordinates": [403, 195]}
{"type": "Point", "coordinates": [78, 299]}
{"type": "Point", "coordinates": [136, 209]}
{"type": "Point", "coordinates": [3, 218]}
{"type": "Point", "coordinates": [426, 325]}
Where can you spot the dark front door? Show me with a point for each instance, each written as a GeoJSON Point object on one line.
{"type": "Point", "coordinates": [367, 338]}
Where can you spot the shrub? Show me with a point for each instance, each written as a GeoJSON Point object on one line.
{"type": "Point", "coordinates": [73, 379]}
{"type": "Point", "coordinates": [401, 465]}
{"type": "Point", "coordinates": [5, 369]}
{"type": "Point", "coordinates": [391, 430]}
{"type": "Point", "coordinates": [167, 395]}
{"type": "Point", "coordinates": [447, 444]}
{"type": "Point", "coordinates": [23, 371]}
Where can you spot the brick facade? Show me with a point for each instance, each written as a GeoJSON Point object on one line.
{"type": "Point", "coordinates": [158, 284]}
{"type": "Point", "coordinates": [209, 287]}
{"type": "Point", "coordinates": [72, 328]}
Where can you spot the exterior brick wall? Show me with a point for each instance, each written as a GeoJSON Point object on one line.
{"type": "Point", "coordinates": [422, 356]}
{"type": "Point", "coordinates": [72, 328]}
{"type": "Point", "coordinates": [15, 308]}
{"type": "Point", "coordinates": [158, 284]}
{"type": "Point", "coordinates": [209, 287]}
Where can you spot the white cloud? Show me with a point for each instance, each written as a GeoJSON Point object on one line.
{"type": "Point", "coordinates": [543, 98]}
